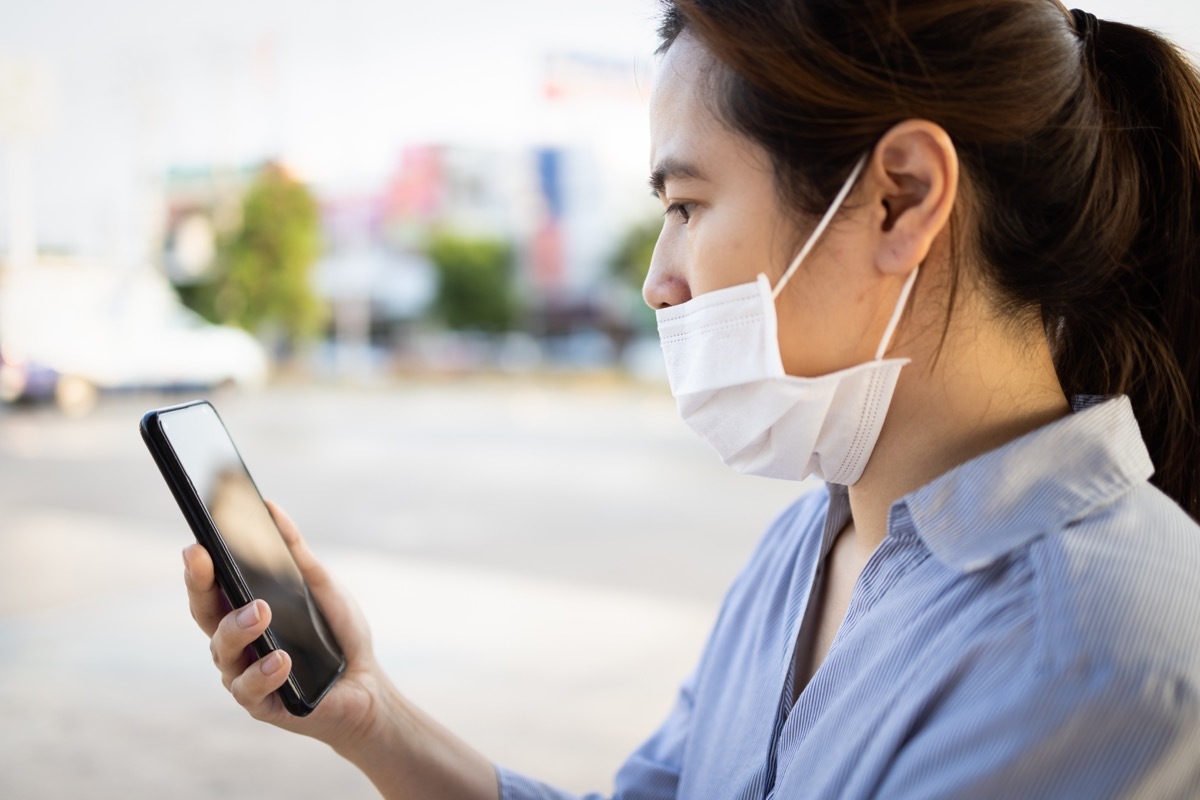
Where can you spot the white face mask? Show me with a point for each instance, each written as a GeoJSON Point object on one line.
{"type": "Point", "coordinates": [726, 372]}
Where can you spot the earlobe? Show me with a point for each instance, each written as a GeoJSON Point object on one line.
{"type": "Point", "coordinates": [916, 177]}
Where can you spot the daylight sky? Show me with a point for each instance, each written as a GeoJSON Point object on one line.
{"type": "Point", "coordinates": [334, 88]}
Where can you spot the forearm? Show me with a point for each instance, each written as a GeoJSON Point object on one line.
{"type": "Point", "coordinates": [409, 756]}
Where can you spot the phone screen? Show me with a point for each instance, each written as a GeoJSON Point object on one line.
{"type": "Point", "coordinates": [221, 482]}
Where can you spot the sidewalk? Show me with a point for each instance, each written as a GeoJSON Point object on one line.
{"type": "Point", "coordinates": [107, 694]}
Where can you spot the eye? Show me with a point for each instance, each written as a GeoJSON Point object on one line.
{"type": "Point", "coordinates": [681, 210]}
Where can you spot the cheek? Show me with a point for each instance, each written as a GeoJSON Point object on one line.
{"type": "Point", "coordinates": [726, 251]}
{"type": "Point", "coordinates": [826, 318]}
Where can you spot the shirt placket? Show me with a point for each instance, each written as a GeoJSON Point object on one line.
{"type": "Point", "coordinates": [836, 517]}
{"type": "Point", "coordinates": [895, 557]}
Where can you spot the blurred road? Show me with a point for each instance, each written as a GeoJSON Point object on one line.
{"type": "Point", "coordinates": [539, 560]}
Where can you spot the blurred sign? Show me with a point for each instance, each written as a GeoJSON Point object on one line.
{"type": "Point", "coordinates": [576, 76]}
{"type": "Point", "coordinates": [547, 255]}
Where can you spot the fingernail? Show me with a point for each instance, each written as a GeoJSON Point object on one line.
{"type": "Point", "coordinates": [248, 616]}
{"type": "Point", "coordinates": [271, 663]}
{"type": "Point", "coordinates": [187, 567]}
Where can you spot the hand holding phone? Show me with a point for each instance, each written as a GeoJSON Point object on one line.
{"type": "Point", "coordinates": [363, 717]}
{"type": "Point", "coordinates": [250, 558]}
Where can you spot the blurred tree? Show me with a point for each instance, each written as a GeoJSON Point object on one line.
{"type": "Point", "coordinates": [474, 283]}
{"type": "Point", "coordinates": [629, 264]}
{"type": "Point", "coordinates": [263, 266]}
{"type": "Point", "coordinates": [631, 260]}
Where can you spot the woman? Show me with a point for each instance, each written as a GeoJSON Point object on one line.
{"type": "Point", "coordinates": [966, 230]}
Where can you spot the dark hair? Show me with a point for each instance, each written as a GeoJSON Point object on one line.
{"type": "Point", "coordinates": [1080, 142]}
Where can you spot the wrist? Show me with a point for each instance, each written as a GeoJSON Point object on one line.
{"type": "Point", "coordinates": [379, 731]}
{"type": "Point", "coordinates": [407, 754]}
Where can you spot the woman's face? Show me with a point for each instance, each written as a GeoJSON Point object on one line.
{"type": "Point", "coordinates": [724, 225]}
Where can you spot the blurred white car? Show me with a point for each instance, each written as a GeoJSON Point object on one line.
{"type": "Point", "coordinates": [99, 335]}
{"type": "Point", "coordinates": [173, 350]}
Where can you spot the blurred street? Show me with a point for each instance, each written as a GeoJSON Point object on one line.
{"type": "Point", "coordinates": [540, 561]}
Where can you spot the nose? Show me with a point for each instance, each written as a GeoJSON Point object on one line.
{"type": "Point", "coordinates": [665, 284]}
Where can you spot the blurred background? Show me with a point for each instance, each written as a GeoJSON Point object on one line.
{"type": "Point", "coordinates": [364, 187]}
{"type": "Point", "coordinates": [400, 246]}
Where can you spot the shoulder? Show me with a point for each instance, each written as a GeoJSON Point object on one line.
{"type": "Point", "coordinates": [1085, 681]}
{"type": "Point", "coordinates": [1121, 587]}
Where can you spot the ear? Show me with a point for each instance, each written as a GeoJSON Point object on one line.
{"type": "Point", "coordinates": [913, 180]}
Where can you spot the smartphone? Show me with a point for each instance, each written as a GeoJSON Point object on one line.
{"type": "Point", "coordinates": [227, 514]}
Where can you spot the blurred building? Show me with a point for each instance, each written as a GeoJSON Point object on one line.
{"type": "Point", "coordinates": [201, 204]}
{"type": "Point", "coordinates": [556, 198]}
{"type": "Point", "coordinates": [561, 197]}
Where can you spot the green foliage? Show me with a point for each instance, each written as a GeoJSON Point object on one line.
{"type": "Point", "coordinates": [263, 267]}
{"type": "Point", "coordinates": [631, 260]}
{"type": "Point", "coordinates": [474, 283]}
{"type": "Point", "coordinates": [629, 263]}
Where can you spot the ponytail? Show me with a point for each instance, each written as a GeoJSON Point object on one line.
{"type": "Point", "coordinates": [1135, 329]}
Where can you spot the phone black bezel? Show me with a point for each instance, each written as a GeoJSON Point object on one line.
{"type": "Point", "coordinates": [228, 576]}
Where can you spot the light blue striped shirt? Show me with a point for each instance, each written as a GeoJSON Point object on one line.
{"type": "Point", "coordinates": [1030, 628]}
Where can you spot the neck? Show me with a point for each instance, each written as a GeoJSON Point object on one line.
{"type": "Point", "coordinates": [961, 396]}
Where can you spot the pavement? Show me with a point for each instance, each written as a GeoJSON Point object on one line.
{"type": "Point", "coordinates": [539, 559]}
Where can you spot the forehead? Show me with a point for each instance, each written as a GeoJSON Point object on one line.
{"type": "Point", "coordinates": [680, 101]}
{"type": "Point", "coordinates": [684, 126]}
{"type": "Point", "coordinates": [682, 71]}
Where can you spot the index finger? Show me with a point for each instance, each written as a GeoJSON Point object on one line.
{"type": "Point", "coordinates": [316, 576]}
{"type": "Point", "coordinates": [205, 599]}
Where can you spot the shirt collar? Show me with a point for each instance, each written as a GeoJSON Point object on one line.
{"type": "Point", "coordinates": [993, 504]}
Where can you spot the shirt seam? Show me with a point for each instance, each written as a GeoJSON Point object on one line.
{"type": "Point", "coordinates": [1041, 606]}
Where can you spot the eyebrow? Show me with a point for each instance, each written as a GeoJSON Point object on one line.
{"type": "Point", "coordinates": [671, 168]}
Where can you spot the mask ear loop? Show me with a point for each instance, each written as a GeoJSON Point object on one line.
{"type": "Point", "coordinates": [836, 206]}
{"type": "Point", "coordinates": [895, 320]}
